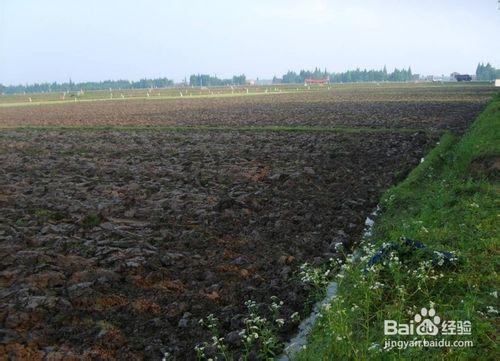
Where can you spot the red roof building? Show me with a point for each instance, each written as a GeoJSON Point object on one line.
{"type": "Point", "coordinates": [317, 81]}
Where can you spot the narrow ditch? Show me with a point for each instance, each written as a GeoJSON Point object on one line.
{"type": "Point", "coordinates": [299, 340]}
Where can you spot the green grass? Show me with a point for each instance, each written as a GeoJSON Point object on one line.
{"type": "Point", "coordinates": [47, 215]}
{"type": "Point", "coordinates": [103, 97]}
{"type": "Point", "coordinates": [91, 220]}
{"type": "Point", "coordinates": [450, 203]}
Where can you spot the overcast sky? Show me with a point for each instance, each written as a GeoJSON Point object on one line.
{"type": "Point", "coordinates": [93, 40]}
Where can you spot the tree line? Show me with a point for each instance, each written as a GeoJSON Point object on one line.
{"type": "Point", "coordinates": [349, 76]}
{"type": "Point", "coordinates": [86, 86]}
{"type": "Point", "coordinates": [194, 80]}
{"type": "Point", "coordinates": [487, 72]}
{"type": "Point", "coordinates": [208, 80]}
{"type": "Point", "coordinates": [483, 73]}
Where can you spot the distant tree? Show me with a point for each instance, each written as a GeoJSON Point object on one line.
{"type": "Point", "coordinates": [239, 79]}
{"type": "Point", "coordinates": [103, 85]}
{"type": "Point", "coordinates": [290, 77]}
{"type": "Point", "coordinates": [348, 76]}
{"type": "Point", "coordinates": [208, 80]}
{"type": "Point", "coordinates": [486, 72]}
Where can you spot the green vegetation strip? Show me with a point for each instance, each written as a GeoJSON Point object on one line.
{"type": "Point", "coordinates": [175, 128]}
{"type": "Point", "coordinates": [449, 203]}
{"type": "Point", "coordinates": [167, 98]}
{"type": "Point", "coordinates": [151, 98]}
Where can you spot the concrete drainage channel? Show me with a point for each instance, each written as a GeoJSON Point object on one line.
{"type": "Point", "coordinates": [300, 339]}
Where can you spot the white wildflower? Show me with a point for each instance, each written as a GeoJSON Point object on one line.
{"type": "Point", "coordinates": [491, 310]}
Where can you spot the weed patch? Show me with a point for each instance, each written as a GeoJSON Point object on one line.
{"type": "Point", "coordinates": [445, 205]}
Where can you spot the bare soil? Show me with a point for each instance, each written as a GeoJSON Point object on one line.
{"type": "Point", "coordinates": [450, 108]}
{"type": "Point", "coordinates": [114, 244]}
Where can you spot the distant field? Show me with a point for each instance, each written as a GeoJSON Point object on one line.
{"type": "Point", "coordinates": [161, 93]}
{"type": "Point", "coordinates": [65, 97]}
{"type": "Point", "coordinates": [116, 240]}
{"type": "Point", "coordinates": [449, 106]}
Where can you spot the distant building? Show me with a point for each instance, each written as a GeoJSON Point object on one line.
{"type": "Point", "coordinates": [497, 82]}
{"type": "Point", "coordinates": [463, 77]}
{"type": "Point", "coordinates": [317, 81]}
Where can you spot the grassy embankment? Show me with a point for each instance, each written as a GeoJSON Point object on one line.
{"type": "Point", "coordinates": [450, 203]}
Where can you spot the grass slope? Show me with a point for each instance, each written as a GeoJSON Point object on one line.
{"type": "Point", "coordinates": [450, 203]}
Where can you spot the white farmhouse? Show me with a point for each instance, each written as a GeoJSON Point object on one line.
{"type": "Point", "coordinates": [497, 82]}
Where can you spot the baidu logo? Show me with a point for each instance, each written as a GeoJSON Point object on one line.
{"type": "Point", "coordinates": [428, 322]}
{"type": "Point", "coordinates": [424, 323]}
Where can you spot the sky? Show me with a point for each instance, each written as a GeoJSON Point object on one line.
{"type": "Point", "coordinates": [91, 40]}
